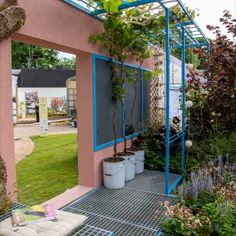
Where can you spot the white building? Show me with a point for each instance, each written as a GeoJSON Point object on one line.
{"type": "Point", "coordinates": [47, 83]}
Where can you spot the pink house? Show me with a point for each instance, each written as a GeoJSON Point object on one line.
{"type": "Point", "coordinates": [57, 25]}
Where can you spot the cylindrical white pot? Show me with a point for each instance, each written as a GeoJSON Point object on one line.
{"type": "Point", "coordinates": [114, 174]}
{"type": "Point", "coordinates": [139, 161]}
{"type": "Point", "coordinates": [129, 167]}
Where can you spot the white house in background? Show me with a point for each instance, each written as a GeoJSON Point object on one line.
{"type": "Point", "coordinates": [47, 83]}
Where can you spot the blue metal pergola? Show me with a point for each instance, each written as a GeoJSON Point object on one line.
{"type": "Point", "coordinates": [184, 35]}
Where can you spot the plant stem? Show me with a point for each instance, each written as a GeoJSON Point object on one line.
{"type": "Point", "coordinates": [123, 82]}
{"type": "Point", "coordinates": [114, 127]}
{"type": "Point", "coordinates": [132, 112]}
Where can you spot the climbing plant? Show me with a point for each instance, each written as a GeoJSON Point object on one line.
{"type": "Point", "coordinates": [124, 36]}
{"type": "Point", "coordinates": [134, 32]}
{"type": "Point", "coordinates": [12, 17]}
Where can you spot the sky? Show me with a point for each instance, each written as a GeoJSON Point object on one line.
{"type": "Point", "coordinates": [210, 11]}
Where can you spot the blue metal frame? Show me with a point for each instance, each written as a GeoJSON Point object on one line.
{"type": "Point", "coordinates": [167, 163]}
{"type": "Point", "coordinates": [188, 35]}
{"type": "Point", "coordinates": [183, 100]}
{"type": "Point", "coordinates": [119, 140]}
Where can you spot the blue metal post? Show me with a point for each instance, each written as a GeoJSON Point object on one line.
{"type": "Point", "coordinates": [167, 163]}
{"type": "Point", "coordinates": [142, 100]}
{"type": "Point", "coordinates": [183, 100]}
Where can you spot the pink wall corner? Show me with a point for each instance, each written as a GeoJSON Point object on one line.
{"type": "Point", "coordinates": [6, 120]}
{"type": "Point", "coordinates": [85, 119]}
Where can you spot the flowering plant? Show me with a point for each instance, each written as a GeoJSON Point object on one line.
{"type": "Point", "coordinates": [182, 221]}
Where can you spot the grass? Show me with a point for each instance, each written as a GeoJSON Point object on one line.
{"type": "Point", "coordinates": [49, 170]}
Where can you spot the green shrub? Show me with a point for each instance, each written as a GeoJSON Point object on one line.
{"type": "Point", "coordinates": [4, 200]}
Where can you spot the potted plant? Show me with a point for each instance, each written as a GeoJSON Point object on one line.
{"type": "Point", "coordinates": [117, 39]}
{"type": "Point", "coordinates": [125, 34]}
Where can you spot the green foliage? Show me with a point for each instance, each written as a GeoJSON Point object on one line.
{"type": "Point", "coordinates": [68, 63]}
{"type": "Point", "coordinates": [207, 149]}
{"type": "Point", "coordinates": [222, 216]}
{"type": "Point", "coordinates": [49, 170]}
{"type": "Point", "coordinates": [34, 57]}
{"type": "Point", "coordinates": [29, 56]}
{"type": "Point", "coordinates": [221, 74]}
{"type": "Point", "coordinates": [110, 6]}
{"type": "Point", "coordinates": [175, 226]}
{"type": "Point", "coordinates": [4, 200]}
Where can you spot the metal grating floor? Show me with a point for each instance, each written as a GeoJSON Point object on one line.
{"type": "Point", "coordinates": [8, 213]}
{"type": "Point", "coordinates": [91, 230]}
{"type": "Point", "coordinates": [151, 181]}
{"type": "Point", "coordinates": [135, 210]}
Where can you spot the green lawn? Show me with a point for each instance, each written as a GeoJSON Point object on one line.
{"type": "Point", "coordinates": [49, 170]}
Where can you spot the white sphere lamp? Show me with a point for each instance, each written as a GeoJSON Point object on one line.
{"type": "Point", "coordinates": [188, 143]}
{"type": "Point", "coordinates": [189, 104]}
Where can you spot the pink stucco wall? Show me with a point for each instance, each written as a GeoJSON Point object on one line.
{"type": "Point", "coordinates": [56, 25]}
{"type": "Point", "coordinates": [6, 121]}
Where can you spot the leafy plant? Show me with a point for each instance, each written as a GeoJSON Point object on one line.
{"type": "Point", "coordinates": [183, 222]}
{"type": "Point", "coordinates": [221, 74]}
{"type": "Point", "coordinates": [223, 218]}
{"type": "Point", "coordinates": [4, 200]}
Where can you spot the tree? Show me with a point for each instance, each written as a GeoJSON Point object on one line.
{"type": "Point", "coordinates": [221, 74]}
{"type": "Point", "coordinates": [68, 63]}
{"type": "Point", "coordinates": [29, 56]}
{"type": "Point", "coordinates": [33, 57]}
{"type": "Point", "coordinates": [219, 98]}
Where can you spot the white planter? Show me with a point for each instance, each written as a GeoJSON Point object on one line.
{"type": "Point", "coordinates": [129, 167]}
{"type": "Point", "coordinates": [114, 174]}
{"type": "Point", "coordinates": [139, 161]}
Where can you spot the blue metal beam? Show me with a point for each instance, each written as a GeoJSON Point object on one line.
{"type": "Point", "coordinates": [190, 18]}
{"type": "Point", "coordinates": [176, 182]}
{"type": "Point", "coordinates": [128, 5]}
{"type": "Point", "coordinates": [191, 45]}
{"type": "Point", "coordinates": [78, 6]}
{"type": "Point", "coordinates": [167, 156]}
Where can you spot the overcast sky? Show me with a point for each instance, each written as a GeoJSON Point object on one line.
{"type": "Point", "coordinates": [210, 11]}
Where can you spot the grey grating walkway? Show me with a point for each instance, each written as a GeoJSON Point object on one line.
{"type": "Point", "coordinates": [8, 214]}
{"type": "Point", "coordinates": [135, 210]}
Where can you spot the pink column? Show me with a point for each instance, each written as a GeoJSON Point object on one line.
{"type": "Point", "coordinates": [6, 120]}
{"type": "Point", "coordinates": [85, 119]}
